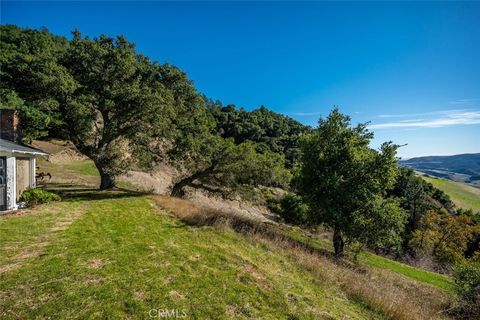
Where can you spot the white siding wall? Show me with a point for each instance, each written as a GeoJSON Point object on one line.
{"type": "Point", "coordinates": [11, 183]}
{"type": "Point", "coordinates": [32, 172]}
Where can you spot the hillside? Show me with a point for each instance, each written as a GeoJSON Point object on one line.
{"type": "Point", "coordinates": [463, 195]}
{"type": "Point", "coordinates": [117, 254]}
{"type": "Point", "coordinates": [120, 254]}
{"type": "Point", "coordinates": [460, 168]}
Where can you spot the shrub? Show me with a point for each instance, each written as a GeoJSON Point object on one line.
{"type": "Point", "coordinates": [293, 209]}
{"type": "Point", "coordinates": [467, 280]}
{"type": "Point", "coordinates": [38, 196]}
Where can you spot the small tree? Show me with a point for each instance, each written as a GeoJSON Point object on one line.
{"type": "Point", "coordinates": [467, 280]}
{"type": "Point", "coordinates": [344, 182]}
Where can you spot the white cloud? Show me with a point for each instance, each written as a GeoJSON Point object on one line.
{"type": "Point", "coordinates": [465, 101]}
{"type": "Point", "coordinates": [444, 119]}
{"type": "Point", "coordinates": [405, 115]}
{"type": "Point", "coordinates": [306, 114]}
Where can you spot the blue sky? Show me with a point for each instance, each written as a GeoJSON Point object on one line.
{"type": "Point", "coordinates": [411, 69]}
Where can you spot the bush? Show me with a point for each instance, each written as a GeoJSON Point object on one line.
{"type": "Point", "coordinates": [38, 196]}
{"type": "Point", "coordinates": [467, 280]}
{"type": "Point", "coordinates": [293, 209]}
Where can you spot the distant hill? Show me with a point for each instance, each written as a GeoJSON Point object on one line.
{"type": "Point", "coordinates": [463, 195]}
{"type": "Point", "coordinates": [460, 167]}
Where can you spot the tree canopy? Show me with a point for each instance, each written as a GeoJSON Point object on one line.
{"type": "Point", "coordinates": [344, 182]}
{"type": "Point", "coordinates": [121, 109]}
{"type": "Point", "coordinates": [268, 129]}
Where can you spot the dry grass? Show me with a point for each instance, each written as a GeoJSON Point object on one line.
{"type": "Point", "coordinates": [396, 296]}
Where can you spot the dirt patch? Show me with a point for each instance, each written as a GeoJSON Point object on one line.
{"type": "Point", "coordinates": [256, 275]}
{"type": "Point", "coordinates": [175, 295]}
{"type": "Point", "coordinates": [139, 295]}
{"type": "Point", "coordinates": [66, 156]}
{"type": "Point", "coordinates": [93, 279]}
{"type": "Point", "coordinates": [159, 181]}
{"type": "Point", "coordinates": [59, 151]}
{"type": "Point", "coordinates": [96, 263]}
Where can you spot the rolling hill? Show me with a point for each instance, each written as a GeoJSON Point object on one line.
{"type": "Point", "coordinates": [461, 168]}
{"type": "Point", "coordinates": [463, 195]}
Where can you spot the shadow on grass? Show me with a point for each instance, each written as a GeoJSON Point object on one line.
{"type": "Point", "coordinates": [69, 192]}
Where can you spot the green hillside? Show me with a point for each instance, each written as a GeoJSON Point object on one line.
{"type": "Point", "coordinates": [121, 254]}
{"type": "Point", "coordinates": [463, 196]}
{"type": "Point", "coordinates": [115, 255]}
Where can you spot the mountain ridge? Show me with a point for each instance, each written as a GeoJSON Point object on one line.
{"type": "Point", "coordinates": [460, 167]}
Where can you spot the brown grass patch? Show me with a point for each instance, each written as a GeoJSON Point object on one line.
{"type": "Point", "coordinates": [256, 275]}
{"type": "Point", "coordinates": [93, 279]}
{"type": "Point", "coordinates": [96, 263]}
{"type": "Point", "coordinates": [394, 295]}
{"type": "Point", "coordinates": [175, 295]}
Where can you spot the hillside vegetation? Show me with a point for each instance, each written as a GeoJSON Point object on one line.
{"type": "Point", "coordinates": [120, 254]}
{"type": "Point", "coordinates": [113, 254]}
{"type": "Point", "coordinates": [464, 196]}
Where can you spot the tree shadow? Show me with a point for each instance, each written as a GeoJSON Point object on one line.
{"type": "Point", "coordinates": [70, 192]}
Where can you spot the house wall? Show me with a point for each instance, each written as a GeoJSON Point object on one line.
{"type": "Point", "coordinates": [23, 176]}
{"type": "Point", "coordinates": [20, 172]}
{"type": "Point", "coordinates": [33, 168]}
{"type": "Point", "coordinates": [11, 188]}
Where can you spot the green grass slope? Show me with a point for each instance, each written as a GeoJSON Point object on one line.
{"type": "Point", "coordinates": [369, 259]}
{"type": "Point", "coordinates": [464, 196]}
{"type": "Point", "coordinates": [114, 255]}
{"type": "Point", "coordinates": [120, 255]}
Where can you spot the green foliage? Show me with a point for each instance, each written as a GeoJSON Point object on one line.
{"type": "Point", "coordinates": [119, 109]}
{"type": "Point", "coordinates": [268, 129]}
{"type": "Point", "coordinates": [381, 224]}
{"type": "Point", "coordinates": [294, 210]}
{"type": "Point", "coordinates": [467, 280]}
{"type": "Point", "coordinates": [37, 196]}
{"type": "Point", "coordinates": [114, 104]}
{"type": "Point", "coordinates": [119, 93]}
{"type": "Point", "coordinates": [220, 165]}
{"type": "Point", "coordinates": [443, 236]}
{"type": "Point", "coordinates": [411, 190]}
{"type": "Point", "coordinates": [31, 71]}
{"type": "Point", "coordinates": [343, 181]}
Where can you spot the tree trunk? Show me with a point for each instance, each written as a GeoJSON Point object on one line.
{"type": "Point", "coordinates": [178, 188]}
{"type": "Point", "coordinates": [338, 243]}
{"type": "Point", "coordinates": [107, 181]}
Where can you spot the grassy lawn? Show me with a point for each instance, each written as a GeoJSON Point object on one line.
{"type": "Point", "coordinates": [84, 167]}
{"type": "Point", "coordinates": [464, 196]}
{"type": "Point", "coordinates": [114, 255]}
{"type": "Point", "coordinates": [80, 172]}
